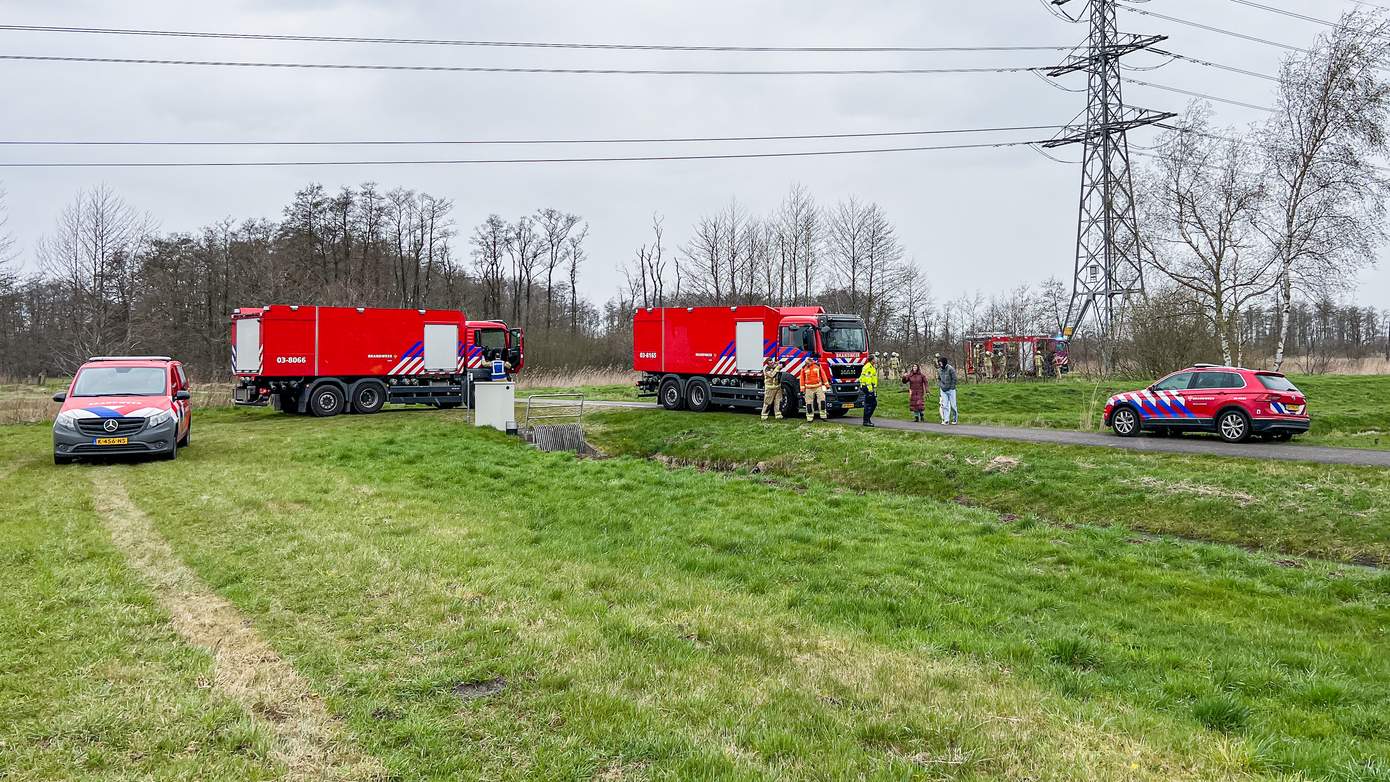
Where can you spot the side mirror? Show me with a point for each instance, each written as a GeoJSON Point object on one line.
{"type": "Point", "coordinates": [182, 396]}
{"type": "Point", "coordinates": [61, 396]}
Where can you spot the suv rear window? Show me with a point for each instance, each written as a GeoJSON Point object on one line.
{"type": "Point", "coordinates": [1276, 383]}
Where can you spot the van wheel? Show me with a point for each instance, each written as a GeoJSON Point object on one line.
{"type": "Point", "coordinates": [368, 398]}
{"type": "Point", "coordinates": [1125, 422]}
{"type": "Point", "coordinates": [187, 437]}
{"type": "Point", "coordinates": [1233, 426]}
{"type": "Point", "coordinates": [327, 401]}
{"type": "Point", "coordinates": [172, 453]}
{"type": "Point", "coordinates": [670, 394]}
{"type": "Point", "coordinates": [697, 396]}
{"type": "Point", "coordinates": [62, 459]}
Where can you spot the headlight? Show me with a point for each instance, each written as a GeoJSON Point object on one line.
{"type": "Point", "coordinates": [65, 421]}
{"type": "Point", "coordinates": [159, 419]}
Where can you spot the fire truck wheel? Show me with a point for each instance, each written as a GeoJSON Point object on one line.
{"type": "Point", "coordinates": [670, 394]}
{"type": "Point", "coordinates": [326, 401]}
{"type": "Point", "coordinates": [789, 404]}
{"type": "Point", "coordinates": [368, 396]}
{"type": "Point", "coordinates": [697, 396]}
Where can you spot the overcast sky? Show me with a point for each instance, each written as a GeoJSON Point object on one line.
{"type": "Point", "coordinates": [973, 220]}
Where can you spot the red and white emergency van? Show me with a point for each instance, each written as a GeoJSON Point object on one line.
{"type": "Point", "coordinates": [330, 360]}
{"type": "Point", "coordinates": [701, 358]}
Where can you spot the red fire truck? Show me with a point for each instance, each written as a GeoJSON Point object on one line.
{"type": "Point", "coordinates": [706, 357]}
{"type": "Point", "coordinates": [1000, 356]}
{"type": "Point", "coordinates": [329, 360]}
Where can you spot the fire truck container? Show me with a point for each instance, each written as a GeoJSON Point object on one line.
{"type": "Point", "coordinates": [330, 360]}
{"type": "Point", "coordinates": [701, 358]}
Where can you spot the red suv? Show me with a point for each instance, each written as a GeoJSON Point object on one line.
{"type": "Point", "coordinates": [1230, 401]}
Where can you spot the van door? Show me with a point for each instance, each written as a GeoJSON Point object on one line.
{"type": "Point", "coordinates": [441, 347]}
{"type": "Point", "coordinates": [246, 348]}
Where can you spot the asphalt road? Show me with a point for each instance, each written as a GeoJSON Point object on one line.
{"type": "Point", "coordinates": [1209, 445]}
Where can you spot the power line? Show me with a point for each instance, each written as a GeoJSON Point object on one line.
{"type": "Point", "coordinates": [1198, 94]}
{"type": "Point", "coordinates": [508, 142]}
{"type": "Point", "coordinates": [512, 44]}
{"type": "Point", "coordinates": [492, 69]}
{"type": "Point", "coordinates": [1210, 28]}
{"type": "Point", "coordinates": [1210, 64]}
{"type": "Point", "coordinates": [507, 161]}
{"type": "Point", "coordinates": [1293, 15]}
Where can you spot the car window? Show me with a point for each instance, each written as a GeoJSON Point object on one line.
{"type": "Point", "coordinates": [183, 379]}
{"type": "Point", "coordinates": [119, 381]}
{"type": "Point", "coordinates": [1176, 382]}
{"type": "Point", "coordinates": [1215, 380]}
{"type": "Point", "coordinates": [1277, 383]}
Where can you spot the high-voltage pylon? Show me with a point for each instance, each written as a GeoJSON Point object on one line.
{"type": "Point", "coordinates": [1108, 269]}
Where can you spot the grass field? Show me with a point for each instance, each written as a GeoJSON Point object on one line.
{"type": "Point", "coordinates": [466, 607]}
{"type": "Point", "coordinates": [1347, 410]}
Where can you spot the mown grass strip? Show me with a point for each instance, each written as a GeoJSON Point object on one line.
{"type": "Point", "coordinates": [308, 741]}
{"type": "Point", "coordinates": [94, 684]}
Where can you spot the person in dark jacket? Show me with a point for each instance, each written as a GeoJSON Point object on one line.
{"type": "Point", "coordinates": [917, 387]}
{"type": "Point", "coordinates": [946, 382]}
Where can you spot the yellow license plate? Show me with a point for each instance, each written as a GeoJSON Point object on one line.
{"type": "Point", "coordinates": [849, 407]}
{"type": "Point", "coordinates": [112, 441]}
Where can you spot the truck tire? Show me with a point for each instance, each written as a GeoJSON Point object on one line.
{"type": "Point", "coordinates": [326, 401]}
{"type": "Point", "coordinates": [790, 404]}
{"type": "Point", "coordinates": [368, 396]}
{"type": "Point", "coordinates": [697, 395]}
{"type": "Point", "coordinates": [670, 394]}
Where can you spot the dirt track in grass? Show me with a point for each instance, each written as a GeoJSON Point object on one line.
{"type": "Point", "coordinates": [308, 741]}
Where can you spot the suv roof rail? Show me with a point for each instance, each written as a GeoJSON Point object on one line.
{"type": "Point", "coordinates": [1205, 366]}
{"type": "Point", "coordinates": [130, 358]}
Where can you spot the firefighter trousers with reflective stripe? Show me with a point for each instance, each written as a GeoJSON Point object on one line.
{"type": "Point", "coordinates": [772, 401]}
{"type": "Point", "coordinates": [815, 402]}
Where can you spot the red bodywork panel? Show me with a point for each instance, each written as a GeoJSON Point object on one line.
{"type": "Point", "coordinates": [704, 340]}
{"type": "Point", "coordinates": [308, 341]}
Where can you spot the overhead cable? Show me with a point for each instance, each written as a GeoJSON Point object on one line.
{"type": "Point", "coordinates": [498, 69]}
{"type": "Point", "coordinates": [511, 44]}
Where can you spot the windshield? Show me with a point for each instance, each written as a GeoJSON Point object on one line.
{"type": "Point", "coordinates": [490, 339]}
{"type": "Point", "coordinates": [1277, 383]}
{"type": "Point", "coordinates": [119, 381]}
{"type": "Point", "coordinates": [845, 337]}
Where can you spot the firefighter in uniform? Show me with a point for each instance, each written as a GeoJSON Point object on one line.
{"type": "Point", "coordinates": [813, 388]}
{"type": "Point", "coordinates": [868, 380]}
{"type": "Point", "coordinates": [772, 386]}
{"type": "Point", "coordinates": [895, 365]}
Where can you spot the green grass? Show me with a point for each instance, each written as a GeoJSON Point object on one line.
{"type": "Point", "coordinates": [657, 623]}
{"type": "Point", "coordinates": [1327, 511]}
{"type": "Point", "coordinates": [93, 682]}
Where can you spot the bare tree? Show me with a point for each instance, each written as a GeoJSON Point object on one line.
{"type": "Point", "coordinates": [576, 255]}
{"type": "Point", "coordinates": [93, 250]}
{"type": "Point", "coordinates": [799, 241]}
{"type": "Point", "coordinates": [1200, 213]}
{"type": "Point", "coordinates": [1326, 211]}
{"type": "Point", "coordinates": [489, 248]}
{"type": "Point", "coordinates": [555, 227]}
{"type": "Point", "coordinates": [524, 247]}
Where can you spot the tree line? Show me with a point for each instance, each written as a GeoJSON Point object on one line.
{"type": "Point", "coordinates": [108, 281]}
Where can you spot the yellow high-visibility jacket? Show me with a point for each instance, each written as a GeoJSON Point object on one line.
{"type": "Point", "coordinates": [868, 378]}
